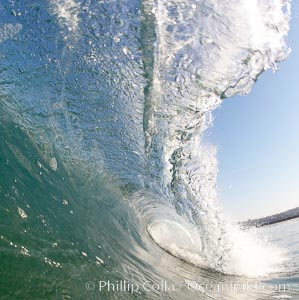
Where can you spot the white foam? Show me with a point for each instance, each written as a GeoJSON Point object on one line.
{"type": "Point", "coordinates": [22, 213]}
{"type": "Point", "coordinates": [206, 50]}
{"type": "Point", "coordinates": [248, 256]}
{"type": "Point", "coordinates": [53, 163]}
{"type": "Point", "coordinates": [8, 31]}
{"type": "Point", "coordinates": [67, 12]}
{"type": "Point", "coordinates": [251, 256]}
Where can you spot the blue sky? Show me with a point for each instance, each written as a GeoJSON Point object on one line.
{"type": "Point", "coordinates": [258, 141]}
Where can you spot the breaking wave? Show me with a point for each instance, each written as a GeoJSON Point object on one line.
{"type": "Point", "coordinates": [112, 100]}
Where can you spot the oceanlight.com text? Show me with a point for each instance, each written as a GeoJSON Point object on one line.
{"type": "Point", "coordinates": [119, 286]}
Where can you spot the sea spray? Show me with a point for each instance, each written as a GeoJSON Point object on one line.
{"type": "Point", "coordinates": [205, 51]}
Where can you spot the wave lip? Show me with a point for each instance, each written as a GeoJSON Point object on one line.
{"type": "Point", "coordinates": [205, 51]}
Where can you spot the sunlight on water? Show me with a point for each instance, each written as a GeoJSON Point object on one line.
{"type": "Point", "coordinates": [104, 105]}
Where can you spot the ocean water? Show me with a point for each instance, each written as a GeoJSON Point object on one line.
{"type": "Point", "coordinates": [107, 190]}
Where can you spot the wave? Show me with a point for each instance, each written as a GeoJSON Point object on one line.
{"type": "Point", "coordinates": [205, 51]}
{"type": "Point", "coordinates": [120, 94]}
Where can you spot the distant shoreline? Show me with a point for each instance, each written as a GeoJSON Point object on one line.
{"type": "Point", "coordinates": [277, 218]}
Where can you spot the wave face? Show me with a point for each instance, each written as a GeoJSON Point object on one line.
{"type": "Point", "coordinates": [104, 105]}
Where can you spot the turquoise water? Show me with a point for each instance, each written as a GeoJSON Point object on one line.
{"type": "Point", "coordinates": [62, 250]}
{"type": "Point", "coordinates": [107, 189]}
